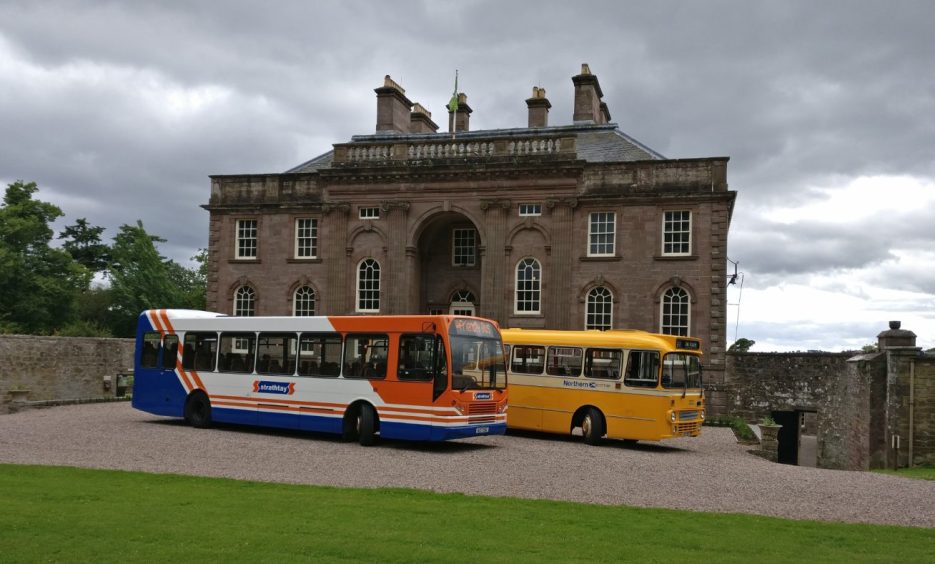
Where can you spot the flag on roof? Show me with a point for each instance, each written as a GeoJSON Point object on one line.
{"type": "Point", "coordinates": [453, 103]}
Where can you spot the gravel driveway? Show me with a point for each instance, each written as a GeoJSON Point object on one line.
{"type": "Point", "coordinates": [708, 473]}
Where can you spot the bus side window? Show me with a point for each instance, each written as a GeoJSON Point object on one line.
{"type": "Point", "coordinates": [603, 363]}
{"type": "Point", "coordinates": [415, 357]}
{"type": "Point", "coordinates": [320, 354]}
{"type": "Point", "coordinates": [200, 351]}
{"type": "Point", "coordinates": [642, 369]}
{"type": "Point", "coordinates": [365, 356]}
{"type": "Point", "coordinates": [528, 359]}
{"type": "Point", "coordinates": [150, 352]}
{"type": "Point", "coordinates": [564, 361]}
{"type": "Point", "coordinates": [170, 352]}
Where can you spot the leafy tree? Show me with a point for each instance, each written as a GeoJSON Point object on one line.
{"type": "Point", "coordinates": [869, 348]}
{"type": "Point", "coordinates": [40, 284]}
{"type": "Point", "coordinates": [141, 279]}
{"type": "Point", "coordinates": [741, 345]}
{"type": "Point", "coordinates": [83, 243]}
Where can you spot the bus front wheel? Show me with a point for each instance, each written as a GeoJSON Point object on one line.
{"type": "Point", "coordinates": [592, 426]}
{"type": "Point", "coordinates": [198, 410]}
{"type": "Point", "coordinates": [366, 425]}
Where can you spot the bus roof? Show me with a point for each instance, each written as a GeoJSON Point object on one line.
{"type": "Point", "coordinates": [614, 338]}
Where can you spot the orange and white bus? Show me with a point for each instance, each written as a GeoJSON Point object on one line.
{"type": "Point", "coordinates": [622, 384]}
{"type": "Point", "coordinates": [425, 378]}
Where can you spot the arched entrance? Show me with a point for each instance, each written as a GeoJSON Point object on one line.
{"type": "Point", "coordinates": [450, 265]}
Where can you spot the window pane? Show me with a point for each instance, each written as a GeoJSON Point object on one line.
{"type": "Point", "coordinates": [676, 233]}
{"type": "Point", "coordinates": [365, 356]}
{"type": "Point", "coordinates": [303, 302]}
{"type": "Point", "coordinates": [528, 359]}
{"type": "Point", "coordinates": [564, 361]}
{"type": "Point", "coordinates": [368, 286]}
{"type": "Point", "coordinates": [246, 238]}
{"type": "Point", "coordinates": [464, 243]}
{"type": "Point", "coordinates": [642, 369]}
{"type": "Point", "coordinates": [528, 280]}
{"type": "Point", "coordinates": [244, 301]}
{"type": "Point", "coordinates": [170, 352]}
{"type": "Point", "coordinates": [416, 356]}
{"type": "Point", "coordinates": [599, 313]}
{"type": "Point", "coordinates": [276, 353]}
{"type": "Point", "coordinates": [603, 363]}
{"type": "Point", "coordinates": [200, 351]}
{"type": "Point", "coordinates": [236, 352]}
{"type": "Point", "coordinates": [150, 352]}
{"type": "Point", "coordinates": [601, 233]}
{"type": "Point", "coordinates": [675, 312]}
{"type": "Point", "coordinates": [306, 238]}
{"type": "Point", "coordinates": [320, 354]}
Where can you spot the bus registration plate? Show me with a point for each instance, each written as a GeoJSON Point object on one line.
{"type": "Point", "coordinates": [481, 430]}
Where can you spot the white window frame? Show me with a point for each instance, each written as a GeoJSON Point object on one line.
{"type": "Point", "coordinates": [242, 251]}
{"type": "Point", "coordinates": [530, 210]}
{"type": "Point", "coordinates": [244, 301]}
{"type": "Point", "coordinates": [612, 233]}
{"type": "Point", "coordinates": [464, 253]}
{"type": "Point", "coordinates": [666, 324]}
{"type": "Point", "coordinates": [306, 238]}
{"type": "Point", "coordinates": [375, 289]}
{"type": "Point", "coordinates": [368, 212]}
{"type": "Point", "coordinates": [681, 234]}
{"type": "Point", "coordinates": [607, 305]}
{"type": "Point", "coordinates": [462, 303]}
{"type": "Point", "coordinates": [309, 295]}
{"type": "Point", "coordinates": [535, 287]}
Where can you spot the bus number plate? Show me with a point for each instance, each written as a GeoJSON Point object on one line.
{"type": "Point", "coordinates": [481, 430]}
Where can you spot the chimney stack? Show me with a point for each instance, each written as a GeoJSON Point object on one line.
{"type": "Point", "coordinates": [538, 108]}
{"type": "Point", "coordinates": [588, 105]}
{"type": "Point", "coordinates": [462, 117]}
{"type": "Point", "coordinates": [420, 120]}
{"type": "Point", "coordinates": [392, 107]}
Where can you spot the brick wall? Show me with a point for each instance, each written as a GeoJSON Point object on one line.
{"type": "Point", "coordinates": [61, 368]}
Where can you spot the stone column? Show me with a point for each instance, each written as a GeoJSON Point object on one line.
{"type": "Point", "coordinates": [334, 233]}
{"type": "Point", "coordinates": [561, 294]}
{"type": "Point", "coordinates": [397, 275]}
{"type": "Point", "coordinates": [494, 274]}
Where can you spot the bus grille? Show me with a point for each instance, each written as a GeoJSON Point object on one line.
{"type": "Point", "coordinates": [688, 427]}
{"type": "Point", "coordinates": [688, 415]}
{"type": "Point", "coordinates": [482, 408]}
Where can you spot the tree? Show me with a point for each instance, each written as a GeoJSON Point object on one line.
{"type": "Point", "coordinates": [83, 243]}
{"type": "Point", "coordinates": [142, 279]}
{"type": "Point", "coordinates": [741, 345]}
{"type": "Point", "coordinates": [40, 284]}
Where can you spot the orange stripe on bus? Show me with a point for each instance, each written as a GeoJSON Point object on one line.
{"type": "Point", "coordinates": [164, 315]}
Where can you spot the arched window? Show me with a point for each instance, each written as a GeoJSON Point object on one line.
{"type": "Point", "coordinates": [528, 286]}
{"type": "Point", "coordinates": [245, 301]}
{"type": "Point", "coordinates": [600, 313]}
{"type": "Point", "coordinates": [676, 307]}
{"type": "Point", "coordinates": [368, 286]}
{"type": "Point", "coordinates": [303, 302]}
{"type": "Point", "coordinates": [462, 303]}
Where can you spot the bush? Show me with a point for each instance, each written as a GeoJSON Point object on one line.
{"type": "Point", "coordinates": [740, 428]}
{"type": "Point", "coordinates": [84, 329]}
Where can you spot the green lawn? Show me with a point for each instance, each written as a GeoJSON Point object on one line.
{"type": "Point", "coordinates": [66, 514]}
{"type": "Point", "coordinates": [919, 472]}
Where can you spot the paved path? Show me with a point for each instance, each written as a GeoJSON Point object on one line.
{"type": "Point", "coordinates": [708, 473]}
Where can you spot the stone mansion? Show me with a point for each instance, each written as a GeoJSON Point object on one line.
{"type": "Point", "coordinates": [567, 227]}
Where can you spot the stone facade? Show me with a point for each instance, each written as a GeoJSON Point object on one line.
{"type": "Point", "coordinates": [62, 368]}
{"type": "Point", "coordinates": [525, 193]}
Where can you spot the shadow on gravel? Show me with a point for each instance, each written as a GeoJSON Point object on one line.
{"type": "Point", "coordinates": [416, 446]}
{"type": "Point", "coordinates": [607, 443]}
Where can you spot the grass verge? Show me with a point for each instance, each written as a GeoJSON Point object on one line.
{"type": "Point", "coordinates": [918, 472]}
{"type": "Point", "coordinates": [69, 514]}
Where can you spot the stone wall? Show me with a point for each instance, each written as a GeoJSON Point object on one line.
{"type": "Point", "coordinates": [61, 368]}
{"type": "Point", "coordinates": [923, 413]}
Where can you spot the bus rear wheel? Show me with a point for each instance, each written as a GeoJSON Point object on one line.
{"type": "Point", "coordinates": [592, 426]}
{"type": "Point", "coordinates": [366, 426]}
{"type": "Point", "coordinates": [198, 410]}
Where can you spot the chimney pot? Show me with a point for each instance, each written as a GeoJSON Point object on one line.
{"type": "Point", "coordinates": [421, 120]}
{"type": "Point", "coordinates": [589, 108]}
{"type": "Point", "coordinates": [538, 106]}
{"type": "Point", "coordinates": [392, 107]}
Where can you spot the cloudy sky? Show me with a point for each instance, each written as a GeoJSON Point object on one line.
{"type": "Point", "coordinates": [120, 111]}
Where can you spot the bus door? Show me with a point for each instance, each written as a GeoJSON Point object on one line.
{"type": "Point", "coordinates": [168, 359]}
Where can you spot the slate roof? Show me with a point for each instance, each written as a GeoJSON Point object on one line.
{"type": "Point", "coordinates": [595, 143]}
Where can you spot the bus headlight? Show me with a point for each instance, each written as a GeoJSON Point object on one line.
{"type": "Point", "coordinates": [672, 416]}
{"type": "Point", "coordinates": [459, 408]}
{"type": "Point", "coordinates": [502, 408]}
{"type": "Point", "coordinates": [701, 414]}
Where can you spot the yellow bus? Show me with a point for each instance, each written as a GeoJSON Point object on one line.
{"type": "Point", "coordinates": [622, 384]}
